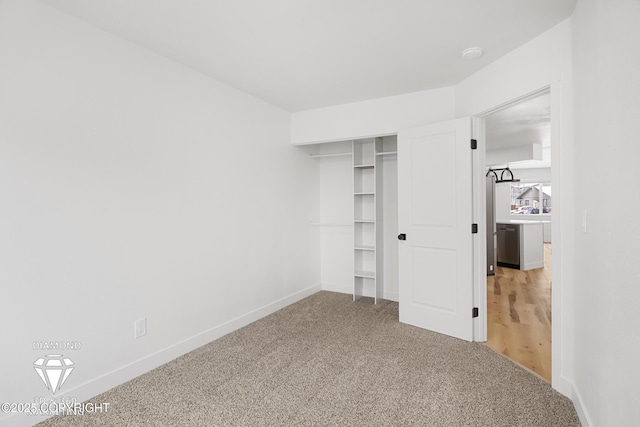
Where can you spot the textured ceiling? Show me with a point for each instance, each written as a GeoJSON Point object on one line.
{"type": "Point", "coordinates": [304, 54]}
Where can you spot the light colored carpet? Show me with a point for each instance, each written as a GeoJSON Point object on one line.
{"type": "Point", "coordinates": [328, 361]}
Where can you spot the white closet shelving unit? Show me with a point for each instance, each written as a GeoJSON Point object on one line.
{"type": "Point", "coordinates": [354, 257]}
{"type": "Point", "coordinates": [367, 219]}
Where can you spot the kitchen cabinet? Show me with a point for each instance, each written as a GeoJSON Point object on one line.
{"type": "Point", "coordinates": [530, 244]}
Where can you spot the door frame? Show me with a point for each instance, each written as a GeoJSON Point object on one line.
{"type": "Point", "coordinates": [480, 329]}
{"type": "Point", "coordinates": [479, 214]}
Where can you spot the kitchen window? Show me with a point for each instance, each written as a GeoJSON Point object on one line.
{"type": "Point", "coordinates": [530, 198]}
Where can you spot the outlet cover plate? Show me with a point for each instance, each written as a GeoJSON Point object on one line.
{"type": "Point", "coordinates": [140, 327]}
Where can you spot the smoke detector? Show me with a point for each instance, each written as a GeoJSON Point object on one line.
{"type": "Point", "coordinates": [472, 53]}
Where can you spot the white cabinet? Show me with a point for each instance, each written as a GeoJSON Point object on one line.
{"type": "Point", "coordinates": [529, 252]}
{"type": "Point", "coordinates": [531, 245]}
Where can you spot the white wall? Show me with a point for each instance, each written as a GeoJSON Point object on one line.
{"type": "Point", "coordinates": [336, 218]}
{"type": "Point", "coordinates": [383, 116]}
{"type": "Point", "coordinates": [607, 113]}
{"type": "Point", "coordinates": [133, 187]}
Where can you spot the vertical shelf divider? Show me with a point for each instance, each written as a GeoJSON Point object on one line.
{"type": "Point", "coordinates": [378, 206]}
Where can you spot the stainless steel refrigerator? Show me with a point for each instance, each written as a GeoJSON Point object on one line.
{"type": "Point", "coordinates": [492, 255]}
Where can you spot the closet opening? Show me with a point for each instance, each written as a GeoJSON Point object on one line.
{"type": "Point", "coordinates": [357, 218]}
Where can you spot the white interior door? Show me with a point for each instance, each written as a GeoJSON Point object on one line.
{"type": "Point", "coordinates": [435, 214]}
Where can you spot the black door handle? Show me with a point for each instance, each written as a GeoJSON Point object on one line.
{"type": "Point", "coordinates": [402, 236]}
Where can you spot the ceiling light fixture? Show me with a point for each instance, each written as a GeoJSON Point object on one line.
{"type": "Point", "coordinates": [472, 53]}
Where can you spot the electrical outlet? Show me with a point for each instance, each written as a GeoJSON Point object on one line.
{"type": "Point", "coordinates": [584, 221]}
{"type": "Point", "coordinates": [140, 327]}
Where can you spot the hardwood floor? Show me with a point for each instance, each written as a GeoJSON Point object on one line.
{"type": "Point", "coordinates": [519, 315]}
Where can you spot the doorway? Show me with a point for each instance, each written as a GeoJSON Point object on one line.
{"type": "Point", "coordinates": [517, 154]}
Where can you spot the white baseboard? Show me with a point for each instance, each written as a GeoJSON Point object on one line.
{"type": "Point", "coordinates": [348, 289]}
{"type": "Point", "coordinates": [136, 368]}
{"type": "Point", "coordinates": [581, 409]}
{"type": "Point", "coordinates": [391, 296]}
{"type": "Point", "coordinates": [533, 265]}
{"type": "Point", "coordinates": [334, 287]}
{"type": "Point", "coordinates": [568, 388]}
{"type": "Point", "coordinates": [562, 385]}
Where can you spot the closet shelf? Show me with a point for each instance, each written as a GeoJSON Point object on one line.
{"type": "Point", "coordinates": [367, 274]}
{"type": "Point", "coordinates": [320, 156]}
{"type": "Point", "coordinates": [367, 166]}
{"type": "Point", "coordinates": [367, 193]}
{"type": "Point", "coordinates": [364, 248]}
{"type": "Point", "coordinates": [386, 153]}
{"type": "Point", "coordinates": [367, 221]}
{"type": "Point", "coordinates": [331, 224]}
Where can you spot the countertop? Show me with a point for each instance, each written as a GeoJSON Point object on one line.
{"type": "Point", "coordinates": [524, 221]}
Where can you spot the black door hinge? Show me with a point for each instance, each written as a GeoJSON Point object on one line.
{"type": "Point", "coordinates": [475, 312]}
{"type": "Point", "coordinates": [474, 228]}
{"type": "Point", "coordinates": [474, 144]}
